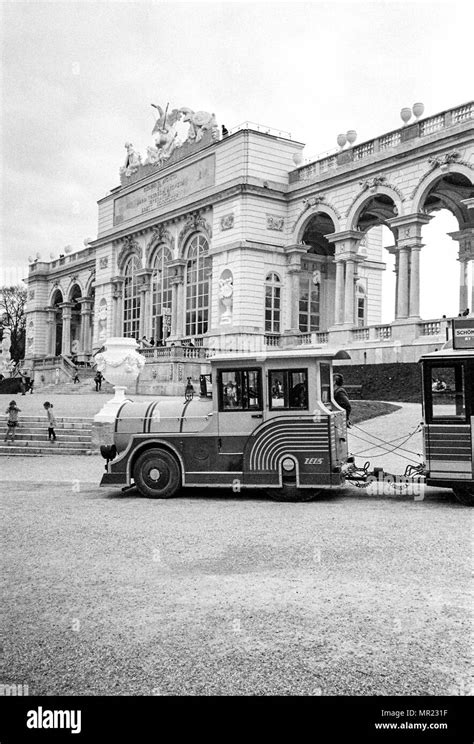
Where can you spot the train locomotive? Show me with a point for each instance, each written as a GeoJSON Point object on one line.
{"type": "Point", "coordinates": [269, 421]}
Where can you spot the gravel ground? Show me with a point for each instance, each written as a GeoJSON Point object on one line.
{"type": "Point", "coordinates": [213, 594]}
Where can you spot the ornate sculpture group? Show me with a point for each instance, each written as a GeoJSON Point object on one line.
{"type": "Point", "coordinates": [171, 131]}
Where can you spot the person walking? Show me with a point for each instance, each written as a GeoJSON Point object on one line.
{"type": "Point", "coordinates": [98, 381]}
{"type": "Point", "coordinates": [12, 422]}
{"type": "Point", "coordinates": [51, 420]}
{"type": "Point", "coordinates": [76, 377]}
{"type": "Point", "coordinates": [341, 397]}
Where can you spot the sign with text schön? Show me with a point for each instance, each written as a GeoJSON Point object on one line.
{"type": "Point", "coordinates": [463, 333]}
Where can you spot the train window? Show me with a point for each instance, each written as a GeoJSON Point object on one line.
{"type": "Point", "coordinates": [325, 375]}
{"type": "Point", "coordinates": [288, 388]}
{"type": "Point", "coordinates": [240, 390]}
{"type": "Point", "coordinates": [447, 392]}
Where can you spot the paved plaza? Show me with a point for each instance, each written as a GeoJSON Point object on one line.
{"type": "Point", "coordinates": [209, 593]}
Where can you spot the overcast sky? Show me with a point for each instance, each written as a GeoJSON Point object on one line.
{"type": "Point", "coordinates": [78, 80]}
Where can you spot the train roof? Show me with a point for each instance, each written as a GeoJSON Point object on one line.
{"type": "Point", "coordinates": [280, 354]}
{"type": "Point", "coordinates": [449, 353]}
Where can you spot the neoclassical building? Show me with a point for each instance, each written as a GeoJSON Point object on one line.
{"type": "Point", "coordinates": [230, 241]}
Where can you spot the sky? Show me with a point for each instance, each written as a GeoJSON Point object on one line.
{"type": "Point", "coordinates": [78, 79]}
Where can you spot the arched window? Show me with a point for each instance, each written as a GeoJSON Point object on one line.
{"type": "Point", "coordinates": [198, 271]}
{"type": "Point", "coordinates": [161, 294]}
{"type": "Point", "coordinates": [131, 299]}
{"type": "Point", "coordinates": [309, 303]}
{"type": "Point", "coordinates": [272, 303]}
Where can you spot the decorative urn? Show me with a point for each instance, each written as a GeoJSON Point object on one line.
{"type": "Point", "coordinates": [120, 364]}
{"type": "Point", "coordinates": [341, 140]}
{"type": "Point", "coordinates": [351, 136]}
{"type": "Point", "coordinates": [418, 109]}
{"type": "Point", "coordinates": [405, 115]}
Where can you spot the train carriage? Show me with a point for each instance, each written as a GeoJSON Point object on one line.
{"type": "Point", "coordinates": [448, 412]}
{"type": "Point", "coordinates": [272, 423]}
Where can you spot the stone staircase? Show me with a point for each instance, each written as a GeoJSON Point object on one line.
{"type": "Point", "coordinates": [85, 386]}
{"type": "Point", "coordinates": [31, 437]}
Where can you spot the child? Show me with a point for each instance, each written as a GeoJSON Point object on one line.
{"type": "Point", "coordinates": [51, 421]}
{"type": "Point", "coordinates": [12, 422]}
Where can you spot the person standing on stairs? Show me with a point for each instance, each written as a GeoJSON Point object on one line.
{"type": "Point", "coordinates": [12, 422]}
{"type": "Point", "coordinates": [51, 420]}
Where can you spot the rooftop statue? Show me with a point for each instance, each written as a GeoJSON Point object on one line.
{"type": "Point", "coordinates": [199, 121]}
{"type": "Point", "coordinates": [132, 161]}
{"type": "Point", "coordinates": [173, 129]}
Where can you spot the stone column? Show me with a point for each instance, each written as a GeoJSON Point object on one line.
{"type": "Point", "coordinates": [346, 257]}
{"type": "Point", "coordinates": [465, 238]}
{"type": "Point", "coordinates": [403, 284]}
{"type": "Point", "coordinates": [339, 294]}
{"type": "Point", "coordinates": [294, 254]}
{"type": "Point", "coordinates": [463, 285]}
{"type": "Point", "coordinates": [144, 276]}
{"type": "Point", "coordinates": [414, 307]}
{"type": "Point", "coordinates": [86, 330]}
{"type": "Point", "coordinates": [408, 229]}
{"type": "Point", "coordinates": [117, 322]}
{"type": "Point", "coordinates": [66, 311]}
{"type": "Point", "coordinates": [180, 318]}
{"type": "Point", "coordinates": [349, 293]}
{"type": "Point", "coordinates": [50, 330]}
{"type": "Point", "coordinates": [178, 299]}
{"type": "Point", "coordinates": [294, 277]}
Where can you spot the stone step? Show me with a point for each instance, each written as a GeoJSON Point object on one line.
{"type": "Point", "coordinates": [80, 388]}
{"type": "Point", "coordinates": [41, 443]}
{"type": "Point", "coordinates": [80, 421]}
{"type": "Point", "coordinates": [42, 435]}
{"type": "Point", "coordinates": [14, 449]}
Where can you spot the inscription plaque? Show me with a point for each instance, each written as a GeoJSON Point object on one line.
{"type": "Point", "coordinates": [164, 190]}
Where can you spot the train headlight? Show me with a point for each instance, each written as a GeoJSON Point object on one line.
{"type": "Point", "coordinates": [108, 452]}
{"type": "Point", "coordinates": [288, 464]}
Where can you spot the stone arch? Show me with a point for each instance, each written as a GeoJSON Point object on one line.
{"type": "Point", "coordinates": [130, 247]}
{"type": "Point", "coordinates": [89, 286]}
{"type": "Point", "coordinates": [194, 224]}
{"type": "Point", "coordinates": [363, 199]}
{"type": "Point", "coordinates": [54, 298]}
{"type": "Point", "coordinates": [160, 236]}
{"type": "Point", "coordinates": [314, 232]}
{"type": "Point", "coordinates": [432, 176]}
{"type": "Point", "coordinates": [70, 294]}
{"type": "Point", "coordinates": [306, 216]}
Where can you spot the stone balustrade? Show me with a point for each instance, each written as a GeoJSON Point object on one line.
{"type": "Point", "coordinates": [387, 141]}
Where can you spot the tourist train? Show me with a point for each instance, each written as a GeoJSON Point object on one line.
{"type": "Point", "coordinates": [269, 421]}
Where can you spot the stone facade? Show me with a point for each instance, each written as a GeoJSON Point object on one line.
{"type": "Point", "coordinates": [224, 242]}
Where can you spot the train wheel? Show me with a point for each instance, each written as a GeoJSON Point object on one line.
{"type": "Point", "coordinates": [157, 474]}
{"type": "Point", "coordinates": [292, 494]}
{"type": "Point", "coordinates": [465, 495]}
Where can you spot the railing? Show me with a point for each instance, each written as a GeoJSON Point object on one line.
{"type": "Point", "coordinates": [170, 353]}
{"type": "Point", "coordinates": [80, 253]}
{"type": "Point", "coordinates": [430, 328]}
{"type": "Point", "coordinates": [383, 333]}
{"type": "Point", "coordinates": [272, 339]}
{"type": "Point", "coordinates": [422, 128]}
{"type": "Point", "coordinates": [361, 334]}
{"type": "Point", "coordinates": [322, 337]}
{"type": "Point", "coordinates": [260, 128]}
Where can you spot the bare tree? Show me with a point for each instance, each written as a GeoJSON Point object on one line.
{"type": "Point", "coordinates": [12, 314]}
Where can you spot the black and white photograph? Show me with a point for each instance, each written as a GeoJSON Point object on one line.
{"type": "Point", "coordinates": [237, 366]}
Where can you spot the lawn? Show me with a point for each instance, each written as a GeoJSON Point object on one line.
{"type": "Point", "coordinates": [363, 410]}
